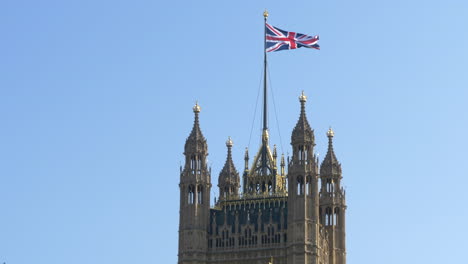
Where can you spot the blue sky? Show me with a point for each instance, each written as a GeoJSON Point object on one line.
{"type": "Point", "coordinates": [95, 106]}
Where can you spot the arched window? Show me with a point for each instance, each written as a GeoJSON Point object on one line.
{"type": "Point", "coordinates": [200, 194]}
{"type": "Point", "coordinates": [270, 188]}
{"type": "Point", "coordinates": [306, 154]}
{"type": "Point", "coordinates": [336, 216]}
{"type": "Point", "coordinates": [195, 164]}
{"type": "Point", "coordinates": [301, 153]}
{"type": "Point", "coordinates": [330, 186]}
{"type": "Point", "coordinates": [191, 194]}
{"type": "Point", "coordinates": [328, 216]}
{"type": "Point", "coordinates": [308, 185]}
{"type": "Point", "coordinates": [192, 163]}
{"type": "Point", "coordinates": [300, 185]}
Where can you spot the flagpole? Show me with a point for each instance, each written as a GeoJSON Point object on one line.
{"type": "Point", "coordinates": [265, 127]}
{"type": "Point", "coordinates": [265, 15]}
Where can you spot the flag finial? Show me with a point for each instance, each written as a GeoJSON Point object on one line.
{"type": "Point", "coordinates": [265, 14]}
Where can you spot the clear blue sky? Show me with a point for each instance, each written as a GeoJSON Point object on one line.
{"type": "Point", "coordinates": [95, 107]}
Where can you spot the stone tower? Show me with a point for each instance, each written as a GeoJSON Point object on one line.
{"type": "Point", "coordinates": [279, 215]}
{"type": "Point", "coordinates": [303, 226]}
{"type": "Point", "coordinates": [333, 204]}
{"type": "Point", "coordinates": [195, 186]}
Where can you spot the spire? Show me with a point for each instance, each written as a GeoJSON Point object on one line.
{"type": "Point", "coordinates": [302, 131]}
{"type": "Point", "coordinates": [330, 164]}
{"type": "Point", "coordinates": [228, 181]}
{"type": "Point", "coordinates": [229, 165]}
{"type": "Point", "coordinates": [196, 141]}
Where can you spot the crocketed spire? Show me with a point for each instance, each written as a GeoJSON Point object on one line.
{"type": "Point", "coordinates": [228, 181]}
{"type": "Point", "coordinates": [196, 142]}
{"type": "Point", "coordinates": [330, 164]}
{"type": "Point", "coordinates": [302, 131]}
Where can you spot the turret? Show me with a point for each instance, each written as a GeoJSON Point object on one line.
{"type": "Point", "coordinates": [333, 204]}
{"type": "Point", "coordinates": [195, 186]}
{"type": "Point", "coordinates": [303, 227]}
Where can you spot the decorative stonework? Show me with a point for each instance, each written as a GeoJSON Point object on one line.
{"type": "Point", "coordinates": [296, 217]}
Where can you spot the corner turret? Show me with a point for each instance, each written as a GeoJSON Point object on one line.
{"type": "Point", "coordinates": [333, 204]}
{"type": "Point", "coordinates": [195, 186]}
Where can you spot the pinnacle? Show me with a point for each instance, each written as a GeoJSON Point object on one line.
{"type": "Point", "coordinates": [229, 170]}
{"type": "Point", "coordinates": [302, 130]}
{"type": "Point", "coordinates": [330, 161]}
{"type": "Point", "coordinates": [196, 136]}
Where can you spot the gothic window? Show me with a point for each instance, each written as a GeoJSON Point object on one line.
{"type": "Point", "coordinates": [200, 194]}
{"type": "Point", "coordinates": [308, 185]}
{"type": "Point", "coordinates": [300, 185]}
{"type": "Point", "coordinates": [226, 192]}
{"type": "Point", "coordinates": [336, 216]}
{"type": "Point", "coordinates": [328, 216]}
{"type": "Point", "coordinates": [251, 188]}
{"type": "Point", "coordinates": [270, 188]}
{"type": "Point", "coordinates": [330, 185]}
{"type": "Point", "coordinates": [258, 187]}
{"type": "Point", "coordinates": [193, 163]}
{"type": "Point", "coordinates": [191, 194]}
{"type": "Point", "coordinates": [301, 152]}
{"type": "Point", "coordinates": [306, 153]}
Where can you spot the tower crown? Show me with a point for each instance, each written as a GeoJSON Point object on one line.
{"type": "Point", "coordinates": [196, 142]}
{"type": "Point", "coordinates": [330, 164]}
{"type": "Point", "coordinates": [302, 131]}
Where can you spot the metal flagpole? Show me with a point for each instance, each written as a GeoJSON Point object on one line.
{"type": "Point", "coordinates": [265, 15]}
{"type": "Point", "coordinates": [265, 127]}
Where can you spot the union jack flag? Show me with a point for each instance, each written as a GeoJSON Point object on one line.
{"type": "Point", "coordinates": [278, 39]}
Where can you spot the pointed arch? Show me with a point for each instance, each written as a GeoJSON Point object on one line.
{"type": "Point", "coordinates": [191, 194]}
{"type": "Point", "coordinates": [336, 216]}
{"type": "Point", "coordinates": [200, 194]}
{"type": "Point", "coordinates": [328, 216]}
{"type": "Point", "coordinates": [300, 185]}
{"type": "Point", "coordinates": [308, 187]}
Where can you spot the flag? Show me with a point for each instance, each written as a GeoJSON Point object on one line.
{"type": "Point", "coordinates": [278, 39]}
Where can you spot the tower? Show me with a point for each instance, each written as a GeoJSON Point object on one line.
{"type": "Point", "coordinates": [195, 186]}
{"type": "Point", "coordinates": [292, 223]}
{"type": "Point", "coordinates": [303, 227]}
{"type": "Point", "coordinates": [229, 181]}
{"type": "Point", "coordinates": [333, 204]}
